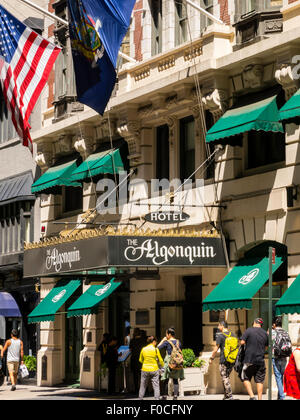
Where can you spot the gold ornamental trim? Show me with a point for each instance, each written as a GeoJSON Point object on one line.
{"type": "Point", "coordinates": [80, 234]}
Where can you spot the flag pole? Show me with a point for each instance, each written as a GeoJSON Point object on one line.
{"type": "Point", "coordinates": [65, 23]}
{"type": "Point", "coordinates": [204, 12]}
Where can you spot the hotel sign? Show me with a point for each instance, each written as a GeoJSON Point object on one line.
{"type": "Point", "coordinates": [166, 217]}
{"type": "Point", "coordinates": [123, 251]}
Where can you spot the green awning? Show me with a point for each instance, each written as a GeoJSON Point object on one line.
{"type": "Point", "coordinates": [290, 301]}
{"type": "Point", "coordinates": [241, 284]}
{"type": "Point", "coordinates": [89, 302]}
{"type": "Point", "coordinates": [57, 175]}
{"type": "Point", "coordinates": [107, 162]}
{"type": "Point", "coordinates": [291, 110]}
{"type": "Point", "coordinates": [262, 115]}
{"type": "Point", "coordinates": [54, 300]}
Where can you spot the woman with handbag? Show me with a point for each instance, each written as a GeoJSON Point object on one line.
{"type": "Point", "coordinates": [151, 361]}
{"type": "Point", "coordinates": [173, 369]}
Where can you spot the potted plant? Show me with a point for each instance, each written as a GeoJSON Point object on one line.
{"type": "Point", "coordinates": [194, 370]}
{"type": "Point", "coordinates": [30, 363]}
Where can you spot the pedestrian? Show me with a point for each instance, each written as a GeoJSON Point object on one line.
{"type": "Point", "coordinates": [225, 366]}
{"type": "Point", "coordinates": [170, 343]}
{"type": "Point", "coordinates": [151, 361]}
{"type": "Point", "coordinates": [127, 337]}
{"type": "Point", "coordinates": [1, 363]}
{"type": "Point", "coordinates": [137, 342]}
{"type": "Point", "coordinates": [103, 346]}
{"type": "Point", "coordinates": [281, 349]}
{"type": "Point", "coordinates": [255, 340]}
{"type": "Point", "coordinates": [14, 348]}
{"type": "Point", "coordinates": [111, 360]}
{"type": "Point", "coordinates": [292, 376]}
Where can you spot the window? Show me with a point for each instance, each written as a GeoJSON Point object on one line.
{"type": "Point", "coordinates": [208, 6]}
{"type": "Point", "coordinates": [162, 152]}
{"type": "Point", "coordinates": [265, 149]}
{"type": "Point", "coordinates": [72, 199]}
{"type": "Point", "coordinates": [7, 130]}
{"type": "Point", "coordinates": [156, 13]}
{"type": "Point", "coordinates": [181, 22]}
{"type": "Point", "coordinates": [187, 148]}
{"type": "Point", "coordinates": [15, 226]}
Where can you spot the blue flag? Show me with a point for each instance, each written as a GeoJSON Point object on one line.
{"type": "Point", "coordinates": [97, 28]}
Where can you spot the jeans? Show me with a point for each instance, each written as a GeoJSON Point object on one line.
{"type": "Point", "coordinates": [279, 368]}
{"type": "Point", "coordinates": [145, 376]}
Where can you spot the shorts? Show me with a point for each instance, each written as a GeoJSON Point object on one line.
{"type": "Point", "coordinates": [256, 371]}
{"type": "Point", "coordinates": [13, 367]}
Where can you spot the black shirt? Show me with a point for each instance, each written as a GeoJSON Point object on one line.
{"type": "Point", "coordinates": [256, 341]}
{"type": "Point", "coordinates": [220, 341]}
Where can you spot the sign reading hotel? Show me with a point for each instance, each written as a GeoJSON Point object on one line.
{"type": "Point", "coordinates": [123, 251]}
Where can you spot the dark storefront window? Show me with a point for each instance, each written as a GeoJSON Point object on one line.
{"type": "Point", "coordinates": [162, 152]}
{"type": "Point", "coordinates": [73, 199]}
{"type": "Point", "coordinates": [265, 148]}
{"type": "Point", "coordinates": [187, 148]}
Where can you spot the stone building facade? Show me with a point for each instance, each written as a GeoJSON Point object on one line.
{"type": "Point", "coordinates": [189, 72]}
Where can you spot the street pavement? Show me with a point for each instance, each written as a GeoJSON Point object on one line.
{"type": "Point", "coordinates": [30, 391]}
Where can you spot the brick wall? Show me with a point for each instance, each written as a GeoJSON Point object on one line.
{"type": "Point", "coordinates": [224, 11]}
{"type": "Point", "coordinates": [138, 30]}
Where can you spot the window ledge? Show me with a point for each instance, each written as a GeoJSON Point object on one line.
{"type": "Point", "coordinates": [10, 143]}
{"type": "Point", "coordinates": [263, 169]}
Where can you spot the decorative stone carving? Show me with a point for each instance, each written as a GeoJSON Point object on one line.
{"type": "Point", "coordinates": [84, 146]}
{"type": "Point", "coordinates": [130, 131]}
{"type": "Point", "coordinates": [284, 76]}
{"type": "Point", "coordinates": [216, 103]}
{"type": "Point", "coordinates": [253, 76]}
{"type": "Point", "coordinates": [63, 145]}
{"type": "Point", "coordinates": [171, 121]}
{"type": "Point", "coordinates": [44, 157]}
{"type": "Point", "coordinates": [142, 73]}
{"type": "Point", "coordinates": [166, 63]}
{"type": "Point", "coordinates": [193, 52]}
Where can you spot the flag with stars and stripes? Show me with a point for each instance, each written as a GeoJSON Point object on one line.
{"type": "Point", "coordinates": [26, 60]}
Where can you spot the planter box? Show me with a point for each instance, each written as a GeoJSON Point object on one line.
{"type": "Point", "coordinates": [194, 380]}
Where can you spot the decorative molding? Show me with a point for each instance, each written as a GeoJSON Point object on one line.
{"type": "Point", "coordinates": [130, 131]}
{"type": "Point", "coordinates": [253, 76]}
{"type": "Point", "coordinates": [142, 73]}
{"type": "Point", "coordinates": [216, 102]}
{"type": "Point", "coordinates": [167, 63]}
{"type": "Point", "coordinates": [193, 51]}
{"type": "Point", "coordinates": [284, 76]}
{"type": "Point", "coordinates": [84, 146]}
{"type": "Point", "coordinates": [63, 145]}
{"type": "Point", "coordinates": [171, 121]}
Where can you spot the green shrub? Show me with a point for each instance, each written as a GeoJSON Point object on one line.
{"type": "Point", "coordinates": [30, 363]}
{"type": "Point", "coordinates": [199, 363]}
{"type": "Point", "coordinates": [188, 357]}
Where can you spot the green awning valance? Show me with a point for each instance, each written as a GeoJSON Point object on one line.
{"type": "Point", "coordinates": [290, 301]}
{"type": "Point", "coordinates": [262, 115]}
{"type": "Point", "coordinates": [54, 300]}
{"type": "Point", "coordinates": [107, 162]}
{"type": "Point", "coordinates": [89, 302]}
{"type": "Point", "coordinates": [291, 110]}
{"type": "Point", "coordinates": [238, 288]}
{"type": "Point", "coordinates": [57, 175]}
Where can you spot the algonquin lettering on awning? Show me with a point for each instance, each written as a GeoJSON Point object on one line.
{"type": "Point", "coordinates": [61, 255]}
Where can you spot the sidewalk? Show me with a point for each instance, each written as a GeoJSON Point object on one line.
{"type": "Point", "coordinates": [32, 392]}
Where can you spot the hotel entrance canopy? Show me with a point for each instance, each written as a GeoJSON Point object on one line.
{"type": "Point", "coordinates": [290, 112]}
{"type": "Point", "coordinates": [93, 249]}
{"type": "Point", "coordinates": [238, 288]}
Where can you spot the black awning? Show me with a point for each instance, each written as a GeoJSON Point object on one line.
{"type": "Point", "coordinates": [16, 189]}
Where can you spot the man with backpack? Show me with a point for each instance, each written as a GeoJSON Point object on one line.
{"type": "Point", "coordinates": [228, 344]}
{"type": "Point", "coordinates": [282, 348]}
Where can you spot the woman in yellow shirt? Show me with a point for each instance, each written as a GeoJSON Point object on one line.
{"type": "Point", "coordinates": [151, 360]}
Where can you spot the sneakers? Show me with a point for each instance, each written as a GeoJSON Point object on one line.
{"type": "Point", "coordinates": [252, 398]}
{"type": "Point", "coordinates": [13, 388]}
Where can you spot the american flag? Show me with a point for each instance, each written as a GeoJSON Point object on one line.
{"type": "Point", "coordinates": [26, 60]}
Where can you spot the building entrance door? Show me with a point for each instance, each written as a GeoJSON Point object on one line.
{"type": "Point", "coordinates": [73, 342]}
{"type": "Point", "coordinates": [192, 314]}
